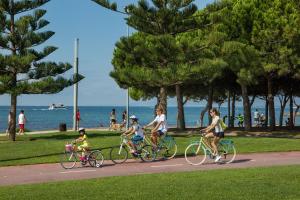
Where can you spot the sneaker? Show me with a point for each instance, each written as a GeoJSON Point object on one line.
{"type": "Point", "coordinates": [132, 151]}
{"type": "Point", "coordinates": [218, 158]}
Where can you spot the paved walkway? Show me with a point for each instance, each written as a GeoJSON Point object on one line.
{"type": "Point", "coordinates": [17, 175]}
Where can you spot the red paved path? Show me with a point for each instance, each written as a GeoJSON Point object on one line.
{"type": "Point", "coordinates": [16, 175]}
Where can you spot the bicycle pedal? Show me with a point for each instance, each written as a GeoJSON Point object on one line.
{"type": "Point", "coordinates": [134, 155]}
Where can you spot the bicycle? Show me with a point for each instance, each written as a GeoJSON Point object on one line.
{"type": "Point", "coordinates": [119, 154]}
{"type": "Point", "coordinates": [166, 148]}
{"type": "Point", "coordinates": [70, 157]}
{"type": "Point", "coordinates": [197, 151]}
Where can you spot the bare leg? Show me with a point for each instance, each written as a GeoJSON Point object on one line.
{"type": "Point", "coordinates": [207, 140]}
{"type": "Point", "coordinates": [215, 144]}
{"type": "Point", "coordinates": [132, 145]}
{"type": "Point", "coordinates": [154, 138]}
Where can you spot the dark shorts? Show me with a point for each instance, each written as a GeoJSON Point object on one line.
{"type": "Point", "coordinates": [113, 121]}
{"type": "Point", "coordinates": [160, 133]}
{"type": "Point", "coordinates": [220, 134]}
{"type": "Point", "coordinates": [136, 139]}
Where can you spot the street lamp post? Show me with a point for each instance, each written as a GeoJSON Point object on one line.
{"type": "Point", "coordinates": [75, 105]}
{"type": "Point", "coordinates": [127, 98]}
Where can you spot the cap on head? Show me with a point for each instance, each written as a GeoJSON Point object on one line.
{"type": "Point", "coordinates": [133, 117]}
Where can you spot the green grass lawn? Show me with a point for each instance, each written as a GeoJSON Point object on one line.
{"type": "Point", "coordinates": [32, 149]}
{"type": "Point", "coordinates": [276, 183]}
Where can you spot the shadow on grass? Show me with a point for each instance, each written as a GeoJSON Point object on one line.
{"type": "Point", "coordinates": [47, 155]}
{"type": "Point", "coordinates": [287, 135]}
{"type": "Point", "coordinates": [73, 136]}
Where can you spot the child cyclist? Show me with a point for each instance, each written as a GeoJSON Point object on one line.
{"type": "Point", "coordinates": [85, 145]}
{"type": "Point", "coordinates": [137, 130]}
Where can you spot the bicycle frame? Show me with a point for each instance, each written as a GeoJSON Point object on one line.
{"type": "Point", "coordinates": [148, 140]}
{"type": "Point", "coordinates": [200, 143]}
{"type": "Point", "coordinates": [124, 141]}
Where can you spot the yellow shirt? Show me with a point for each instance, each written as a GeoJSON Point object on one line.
{"type": "Point", "coordinates": [84, 140]}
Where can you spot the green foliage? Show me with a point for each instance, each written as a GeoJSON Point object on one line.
{"type": "Point", "coordinates": [23, 70]}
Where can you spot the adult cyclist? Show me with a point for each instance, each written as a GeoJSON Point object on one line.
{"type": "Point", "coordinates": [214, 131]}
{"type": "Point", "coordinates": [160, 127]}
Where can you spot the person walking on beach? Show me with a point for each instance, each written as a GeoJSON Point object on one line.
{"type": "Point", "coordinates": [22, 121]}
{"type": "Point", "coordinates": [113, 120]}
{"type": "Point", "coordinates": [124, 119]}
{"type": "Point", "coordinates": [77, 119]}
{"type": "Point", "coordinates": [8, 122]}
{"type": "Point", "coordinates": [240, 118]}
{"type": "Point", "coordinates": [256, 117]}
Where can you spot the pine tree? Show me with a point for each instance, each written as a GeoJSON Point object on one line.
{"type": "Point", "coordinates": [164, 19]}
{"type": "Point", "coordinates": [22, 68]}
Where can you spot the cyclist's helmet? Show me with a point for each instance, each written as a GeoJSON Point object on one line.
{"type": "Point", "coordinates": [133, 117]}
{"type": "Point", "coordinates": [81, 131]}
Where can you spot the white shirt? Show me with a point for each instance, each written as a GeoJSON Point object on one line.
{"type": "Point", "coordinates": [161, 119]}
{"type": "Point", "coordinates": [216, 122]}
{"type": "Point", "coordinates": [256, 114]}
{"type": "Point", "coordinates": [21, 118]}
{"type": "Point", "coordinates": [138, 130]}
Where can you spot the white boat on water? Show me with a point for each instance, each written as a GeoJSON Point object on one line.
{"type": "Point", "coordinates": [57, 107]}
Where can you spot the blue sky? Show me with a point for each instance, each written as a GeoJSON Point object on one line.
{"type": "Point", "coordinates": [98, 30]}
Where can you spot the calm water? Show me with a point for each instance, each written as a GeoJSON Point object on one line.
{"type": "Point", "coordinates": [40, 118]}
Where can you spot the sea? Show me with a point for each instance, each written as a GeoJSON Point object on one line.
{"type": "Point", "coordinates": [41, 118]}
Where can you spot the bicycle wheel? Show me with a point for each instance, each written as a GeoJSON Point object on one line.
{"type": "Point", "coordinates": [169, 148]}
{"type": "Point", "coordinates": [195, 154]}
{"type": "Point", "coordinates": [96, 158]}
{"type": "Point", "coordinates": [227, 152]}
{"type": "Point", "coordinates": [68, 160]}
{"type": "Point", "coordinates": [147, 154]}
{"type": "Point", "coordinates": [118, 154]}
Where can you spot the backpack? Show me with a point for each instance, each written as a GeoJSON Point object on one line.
{"type": "Point", "coordinates": [223, 125]}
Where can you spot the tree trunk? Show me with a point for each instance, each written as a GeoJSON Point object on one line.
{"type": "Point", "coordinates": [156, 105]}
{"type": "Point", "coordinates": [296, 111]}
{"type": "Point", "coordinates": [228, 111]}
{"type": "Point", "coordinates": [232, 110]}
{"type": "Point", "coordinates": [291, 123]}
{"type": "Point", "coordinates": [247, 109]}
{"type": "Point", "coordinates": [13, 109]}
{"type": "Point", "coordinates": [210, 102]}
{"type": "Point", "coordinates": [283, 103]}
{"type": "Point", "coordinates": [180, 107]}
{"type": "Point", "coordinates": [252, 100]}
{"type": "Point", "coordinates": [271, 105]}
{"type": "Point", "coordinates": [267, 112]}
{"type": "Point", "coordinates": [163, 98]}
{"type": "Point", "coordinates": [202, 114]}
{"type": "Point", "coordinates": [13, 97]}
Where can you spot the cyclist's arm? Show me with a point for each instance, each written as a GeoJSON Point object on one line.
{"type": "Point", "coordinates": [150, 124]}
{"type": "Point", "coordinates": [131, 132]}
{"type": "Point", "coordinates": [212, 126]}
{"type": "Point", "coordinates": [157, 126]}
{"type": "Point", "coordinates": [128, 131]}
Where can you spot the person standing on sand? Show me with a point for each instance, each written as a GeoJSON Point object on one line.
{"type": "Point", "coordinates": [22, 121]}
{"type": "Point", "coordinates": [240, 118]}
{"type": "Point", "coordinates": [113, 120]}
{"type": "Point", "coordinates": [256, 117]}
{"type": "Point", "coordinates": [124, 119]}
{"type": "Point", "coordinates": [8, 122]}
{"type": "Point", "coordinates": [77, 119]}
